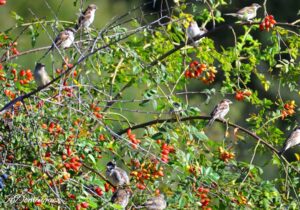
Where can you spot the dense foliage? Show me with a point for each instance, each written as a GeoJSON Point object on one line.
{"type": "Point", "coordinates": [122, 92]}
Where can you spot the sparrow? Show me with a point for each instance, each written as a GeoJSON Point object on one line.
{"type": "Point", "coordinates": [193, 31]}
{"type": "Point", "coordinates": [116, 175]}
{"type": "Point", "coordinates": [40, 74]}
{"type": "Point", "coordinates": [292, 140]}
{"type": "Point", "coordinates": [87, 17]}
{"type": "Point", "coordinates": [154, 203]}
{"type": "Point", "coordinates": [219, 111]}
{"type": "Point", "coordinates": [246, 13]}
{"type": "Point", "coordinates": [63, 40]}
{"type": "Point", "coordinates": [121, 197]}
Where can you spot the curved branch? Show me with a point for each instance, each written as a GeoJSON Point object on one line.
{"type": "Point", "coordinates": [172, 120]}
{"type": "Point", "coordinates": [5, 59]}
{"type": "Point", "coordinates": [245, 130]}
{"type": "Point", "coordinates": [98, 173]}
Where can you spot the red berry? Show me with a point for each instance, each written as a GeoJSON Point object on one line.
{"type": "Point", "coordinates": [22, 73]}
{"type": "Point", "coordinates": [72, 196]}
{"type": "Point", "coordinates": [14, 71]}
{"type": "Point", "coordinates": [15, 51]}
{"type": "Point", "coordinates": [239, 96]}
{"type": "Point", "coordinates": [84, 205]}
{"type": "Point", "coordinates": [99, 191]}
{"type": "Point", "coordinates": [187, 74]}
{"type": "Point", "coordinates": [38, 203]}
{"type": "Point", "coordinates": [2, 2]}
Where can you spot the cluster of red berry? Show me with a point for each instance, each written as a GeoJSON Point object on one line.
{"type": "Point", "coordinates": [11, 46]}
{"type": "Point", "coordinates": [225, 155]}
{"type": "Point", "coordinates": [205, 200]}
{"type": "Point", "coordinates": [241, 94]}
{"type": "Point", "coordinates": [267, 23]}
{"type": "Point", "coordinates": [27, 76]}
{"type": "Point", "coordinates": [165, 150]}
{"type": "Point", "coordinates": [53, 128]}
{"type": "Point", "coordinates": [201, 71]}
{"type": "Point", "coordinates": [73, 163]}
{"type": "Point", "coordinates": [66, 65]}
{"type": "Point", "coordinates": [96, 111]}
{"type": "Point", "coordinates": [145, 171]}
{"type": "Point", "coordinates": [288, 109]}
{"type": "Point", "coordinates": [83, 205]}
{"type": "Point", "coordinates": [135, 142]}
{"type": "Point", "coordinates": [9, 94]}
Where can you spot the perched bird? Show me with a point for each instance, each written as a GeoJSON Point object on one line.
{"type": "Point", "coordinates": [87, 17]}
{"type": "Point", "coordinates": [292, 140]}
{"type": "Point", "coordinates": [63, 40]}
{"type": "Point", "coordinates": [194, 31]}
{"type": "Point", "coordinates": [121, 197]}
{"type": "Point", "coordinates": [116, 175]}
{"type": "Point", "coordinates": [246, 13]}
{"type": "Point", "coordinates": [40, 74]}
{"type": "Point", "coordinates": [155, 203]}
{"type": "Point", "coordinates": [219, 111]}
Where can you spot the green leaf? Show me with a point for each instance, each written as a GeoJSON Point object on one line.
{"type": "Point", "coordinates": [92, 158]}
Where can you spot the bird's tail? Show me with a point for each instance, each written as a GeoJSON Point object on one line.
{"type": "Point", "coordinates": [280, 153]}
{"type": "Point", "coordinates": [210, 122]}
{"type": "Point", "coordinates": [77, 27]}
{"type": "Point", "coordinates": [231, 14]}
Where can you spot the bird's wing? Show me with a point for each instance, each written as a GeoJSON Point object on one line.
{"type": "Point", "coordinates": [124, 176]}
{"type": "Point", "coordinates": [244, 11]}
{"type": "Point", "coordinates": [81, 18]}
{"type": "Point", "coordinates": [149, 202]}
{"type": "Point", "coordinates": [62, 36]}
{"type": "Point", "coordinates": [118, 196]}
{"type": "Point", "coordinates": [85, 16]}
{"type": "Point", "coordinates": [214, 111]}
{"type": "Point", "coordinates": [218, 109]}
{"type": "Point", "coordinates": [292, 139]}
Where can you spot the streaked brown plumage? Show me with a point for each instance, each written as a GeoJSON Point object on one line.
{"type": "Point", "coordinates": [246, 13]}
{"type": "Point", "coordinates": [292, 140]}
{"type": "Point", "coordinates": [220, 111]}
{"type": "Point", "coordinates": [87, 17]}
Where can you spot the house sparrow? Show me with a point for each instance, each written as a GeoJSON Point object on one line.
{"type": "Point", "coordinates": [121, 197]}
{"type": "Point", "coordinates": [40, 74]}
{"type": "Point", "coordinates": [246, 13]}
{"type": "Point", "coordinates": [87, 17]}
{"type": "Point", "coordinates": [292, 140]}
{"type": "Point", "coordinates": [219, 111]}
{"type": "Point", "coordinates": [116, 175]}
{"type": "Point", "coordinates": [194, 31]}
{"type": "Point", "coordinates": [63, 40]}
{"type": "Point", "coordinates": [155, 203]}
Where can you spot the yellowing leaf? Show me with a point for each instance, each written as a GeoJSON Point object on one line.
{"type": "Point", "coordinates": [297, 156]}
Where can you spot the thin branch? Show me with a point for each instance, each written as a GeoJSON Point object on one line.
{"type": "Point", "coordinates": [245, 130]}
